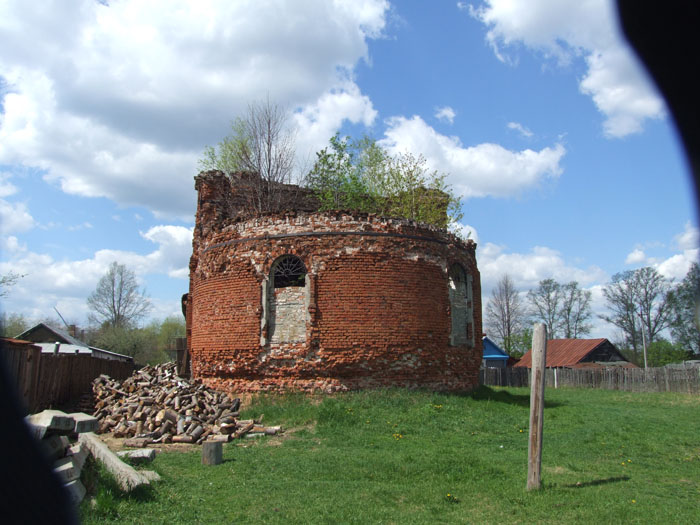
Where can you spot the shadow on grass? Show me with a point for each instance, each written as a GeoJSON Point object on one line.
{"type": "Point", "coordinates": [484, 393]}
{"type": "Point", "coordinates": [597, 482]}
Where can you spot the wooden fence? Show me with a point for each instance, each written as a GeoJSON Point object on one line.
{"type": "Point", "coordinates": [47, 380]}
{"type": "Point", "coordinates": [685, 380]}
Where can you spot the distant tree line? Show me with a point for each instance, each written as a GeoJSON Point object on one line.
{"type": "Point", "coordinates": [117, 308]}
{"type": "Point", "coordinates": [641, 303]}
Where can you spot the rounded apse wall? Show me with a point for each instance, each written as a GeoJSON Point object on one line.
{"type": "Point", "coordinates": [333, 301]}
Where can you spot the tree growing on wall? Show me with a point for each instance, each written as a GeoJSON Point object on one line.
{"type": "Point", "coordinates": [117, 300]}
{"type": "Point", "coordinates": [262, 142]}
{"type": "Point", "coordinates": [505, 313]}
{"type": "Point", "coordinates": [360, 175]}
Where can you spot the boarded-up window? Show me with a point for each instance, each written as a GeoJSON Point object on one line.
{"type": "Point", "coordinates": [461, 301]}
{"type": "Point", "coordinates": [287, 298]}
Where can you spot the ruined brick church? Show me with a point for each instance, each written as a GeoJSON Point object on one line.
{"type": "Point", "coordinates": [326, 301]}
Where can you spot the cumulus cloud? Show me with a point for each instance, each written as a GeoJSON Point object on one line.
{"type": "Point", "coordinates": [689, 239]}
{"type": "Point", "coordinates": [569, 30]}
{"type": "Point", "coordinates": [14, 217]}
{"type": "Point", "coordinates": [675, 266]}
{"type": "Point", "coordinates": [445, 114]}
{"type": "Point", "coordinates": [528, 269]}
{"type": "Point", "coordinates": [635, 256]}
{"type": "Point", "coordinates": [118, 99]}
{"type": "Point", "coordinates": [48, 281]}
{"type": "Point", "coordinates": [516, 126]}
{"type": "Point", "coordinates": [319, 121]}
{"type": "Point", "coordinates": [474, 171]}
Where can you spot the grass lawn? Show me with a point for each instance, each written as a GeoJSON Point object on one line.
{"type": "Point", "coordinates": [418, 457]}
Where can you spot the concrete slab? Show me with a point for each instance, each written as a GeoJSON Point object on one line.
{"type": "Point", "coordinates": [84, 422]}
{"type": "Point", "coordinates": [66, 469]}
{"type": "Point", "coordinates": [79, 453]}
{"type": "Point", "coordinates": [141, 455]}
{"type": "Point", "coordinates": [76, 491]}
{"type": "Point", "coordinates": [55, 446]}
{"type": "Point", "coordinates": [50, 422]}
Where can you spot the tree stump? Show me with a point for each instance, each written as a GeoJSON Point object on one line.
{"type": "Point", "coordinates": [212, 452]}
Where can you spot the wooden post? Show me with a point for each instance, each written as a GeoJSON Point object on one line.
{"type": "Point", "coordinates": [212, 452]}
{"type": "Point", "coordinates": [534, 451]}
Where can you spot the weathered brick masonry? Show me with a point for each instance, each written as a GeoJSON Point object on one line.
{"type": "Point", "coordinates": [328, 300]}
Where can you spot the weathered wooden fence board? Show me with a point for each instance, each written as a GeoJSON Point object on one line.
{"type": "Point", "coordinates": [47, 380]}
{"type": "Point", "coordinates": [685, 380]}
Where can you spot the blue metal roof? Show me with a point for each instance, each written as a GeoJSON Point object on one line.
{"type": "Point", "coordinates": [492, 351]}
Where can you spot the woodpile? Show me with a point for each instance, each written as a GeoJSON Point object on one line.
{"type": "Point", "coordinates": [155, 405]}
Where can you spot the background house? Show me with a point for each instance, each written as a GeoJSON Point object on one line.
{"type": "Point", "coordinates": [579, 353]}
{"type": "Point", "coordinates": [53, 340]}
{"type": "Point", "coordinates": [494, 356]}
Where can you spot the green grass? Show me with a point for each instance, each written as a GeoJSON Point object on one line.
{"type": "Point", "coordinates": [394, 456]}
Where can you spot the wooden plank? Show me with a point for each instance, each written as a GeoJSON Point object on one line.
{"type": "Point", "coordinates": [534, 453]}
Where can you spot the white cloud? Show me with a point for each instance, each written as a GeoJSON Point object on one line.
{"type": "Point", "coordinates": [48, 282]}
{"type": "Point", "coordinates": [445, 114]}
{"type": "Point", "coordinates": [516, 126]}
{"type": "Point", "coordinates": [474, 171]}
{"type": "Point", "coordinates": [675, 266]}
{"type": "Point", "coordinates": [689, 239]}
{"type": "Point", "coordinates": [6, 187]}
{"type": "Point", "coordinates": [119, 100]}
{"type": "Point", "coordinates": [568, 30]}
{"type": "Point", "coordinates": [318, 122]}
{"type": "Point", "coordinates": [528, 269]}
{"type": "Point", "coordinates": [14, 217]}
{"type": "Point", "coordinates": [635, 256]}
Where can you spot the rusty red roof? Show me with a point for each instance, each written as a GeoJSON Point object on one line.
{"type": "Point", "coordinates": [563, 352]}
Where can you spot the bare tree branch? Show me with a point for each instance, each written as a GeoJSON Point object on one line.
{"type": "Point", "coordinates": [117, 299]}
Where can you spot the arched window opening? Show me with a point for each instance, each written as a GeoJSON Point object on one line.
{"type": "Point", "coordinates": [288, 271]}
{"type": "Point", "coordinates": [461, 308]}
{"type": "Point", "coordinates": [287, 301]}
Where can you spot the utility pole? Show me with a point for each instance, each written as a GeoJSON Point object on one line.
{"type": "Point", "coordinates": [644, 341]}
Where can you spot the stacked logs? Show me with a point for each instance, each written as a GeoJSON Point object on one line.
{"type": "Point", "coordinates": [154, 405]}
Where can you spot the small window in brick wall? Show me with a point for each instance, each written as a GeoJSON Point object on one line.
{"type": "Point", "coordinates": [287, 300]}
{"type": "Point", "coordinates": [461, 307]}
{"type": "Point", "coordinates": [289, 270]}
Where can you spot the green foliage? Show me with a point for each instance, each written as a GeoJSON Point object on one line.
{"type": "Point", "coordinates": [684, 304]}
{"type": "Point", "coordinates": [610, 457]}
{"type": "Point", "coordinates": [229, 154]}
{"type": "Point", "coordinates": [147, 345]}
{"type": "Point", "coordinates": [519, 343]}
{"type": "Point", "coordinates": [662, 352]}
{"type": "Point", "coordinates": [359, 175]}
{"type": "Point", "coordinates": [13, 324]}
{"type": "Point", "coordinates": [169, 330]}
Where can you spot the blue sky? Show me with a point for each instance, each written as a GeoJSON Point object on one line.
{"type": "Point", "coordinates": [567, 161]}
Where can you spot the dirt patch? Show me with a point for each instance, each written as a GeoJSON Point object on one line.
{"type": "Point", "coordinates": [557, 470]}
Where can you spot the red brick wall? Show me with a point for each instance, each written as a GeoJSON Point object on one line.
{"type": "Point", "coordinates": [378, 310]}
